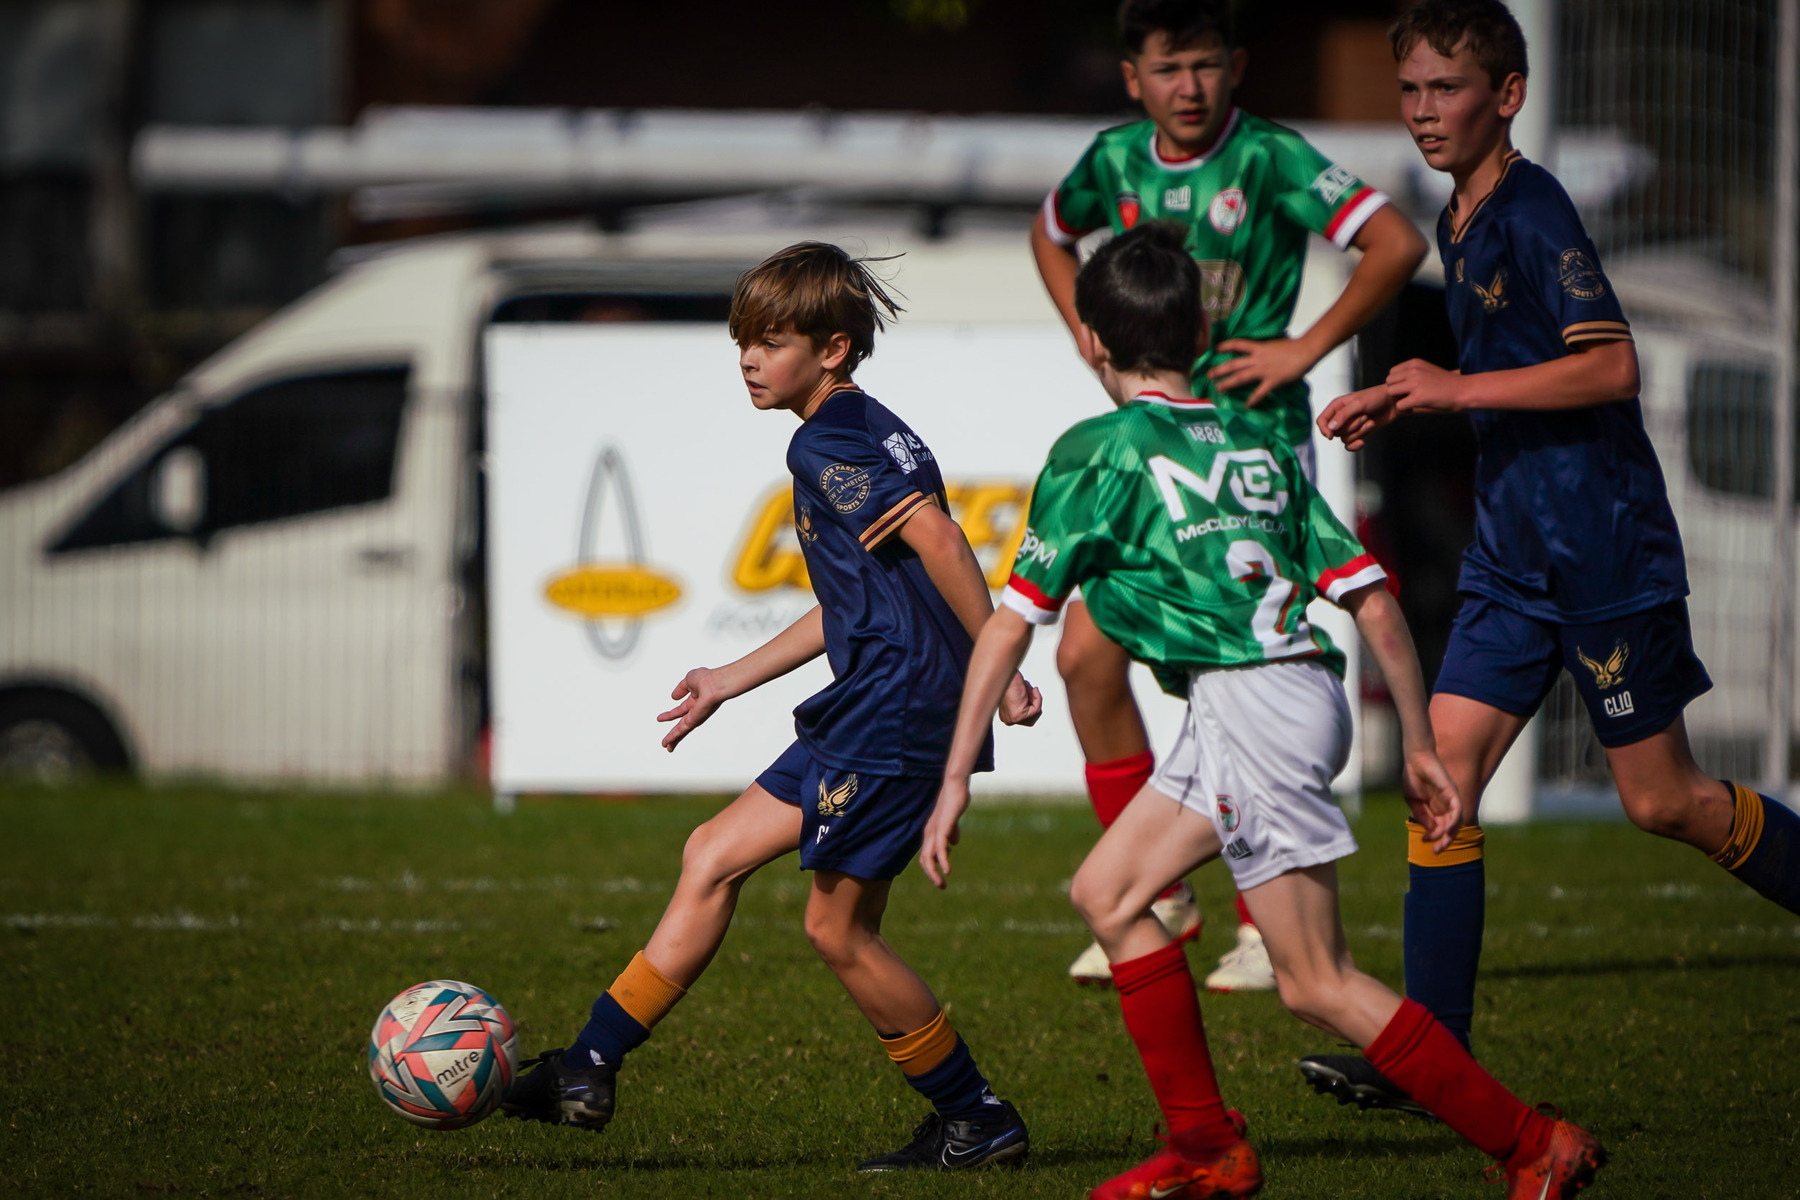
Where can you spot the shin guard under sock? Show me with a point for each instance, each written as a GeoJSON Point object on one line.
{"type": "Point", "coordinates": [1764, 847]}
{"type": "Point", "coordinates": [938, 1065]}
{"type": "Point", "coordinates": [1446, 904]}
{"type": "Point", "coordinates": [624, 1015]}
{"type": "Point", "coordinates": [1111, 785]}
{"type": "Point", "coordinates": [1162, 1013]}
{"type": "Point", "coordinates": [1418, 1054]}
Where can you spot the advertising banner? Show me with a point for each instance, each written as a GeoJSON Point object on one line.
{"type": "Point", "coordinates": [641, 524]}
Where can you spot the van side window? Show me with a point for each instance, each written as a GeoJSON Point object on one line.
{"type": "Point", "coordinates": [288, 449]}
{"type": "Point", "coordinates": [1730, 427]}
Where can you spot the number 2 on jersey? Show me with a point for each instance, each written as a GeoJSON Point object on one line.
{"type": "Point", "coordinates": [1247, 560]}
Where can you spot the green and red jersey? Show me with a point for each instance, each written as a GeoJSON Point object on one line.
{"type": "Point", "coordinates": [1248, 204]}
{"type": "Point", "coordinates": [1196, 542]}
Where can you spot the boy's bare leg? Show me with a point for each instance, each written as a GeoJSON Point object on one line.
{"type": "Point", "coordinates": [1154, 842]}
{"type": "Point", "coordinates": [1665, 792]}
{"type": "Point", "coordinates": [1096, 675]}
{"type": "Point", "coordinates": [843, 923]}
{"type": "Point", "coordinates": [1095, 671]}
{"type": "Point", "coordinates": [750, 832]}
{"type": "Point", "coordinates": [1319, 982]}
{"type": "Point", "coordinates": [1298, 914]}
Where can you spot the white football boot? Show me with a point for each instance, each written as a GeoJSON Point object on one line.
{"type": "Point", "coordinates": [1179, 914]}
{"type": "Point", "coordinates": [1245, 968]}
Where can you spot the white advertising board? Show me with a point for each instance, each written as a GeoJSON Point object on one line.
{"type": "Point", "coordinates": [627, 469]}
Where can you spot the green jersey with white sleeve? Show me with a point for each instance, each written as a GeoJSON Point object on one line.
{"type": "Point", "coordinates": [1248, 205]}
{"type": "Point", "coordinates": [1197, 542]}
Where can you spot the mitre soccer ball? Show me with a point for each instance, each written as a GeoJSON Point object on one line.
{"type": "Point", "coordinates": [442, 1053]}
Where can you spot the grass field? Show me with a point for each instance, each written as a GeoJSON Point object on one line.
{"type": "Point", "coordinates": [194, 974]}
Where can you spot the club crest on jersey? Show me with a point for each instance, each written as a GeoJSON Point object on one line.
{"type": "Point", "coordinates": [1611, 673]}
{"type": "Point", "coordinates": [845, 486]}
{"type": "Point", "coordinates": [833, 801]}
{"type": "Point", "coordinates": [1226, 212]}
{"type": "Point", "coordinates": [1228, 814]}
{"type": "Point", "coordinates": [1178, 199]}
{"type": "Point", "coordinates": [1129, 208]}
{"type": "Point", "coordinates": [1579, 276]}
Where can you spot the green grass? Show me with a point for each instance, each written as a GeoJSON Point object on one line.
{"type": "Point", "coordinates": [191, 976]}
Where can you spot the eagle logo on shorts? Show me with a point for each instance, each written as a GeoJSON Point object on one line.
{"type": "Point", "coordinates": [834, 801]}
{"type": "Point", "coordinates": [1608, 674]}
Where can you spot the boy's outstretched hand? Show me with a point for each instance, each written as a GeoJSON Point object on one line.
{"type": "Point", "coordinates": [1353, 417]}
{"type": "Point", "coordinates": [1021, 704]}
{"type": "Point", "coordinates": [700, 694]}
{"type": "Point", "coordinates": [941, 830]}
{"type": "Point", "coordinates": [1432, 798]}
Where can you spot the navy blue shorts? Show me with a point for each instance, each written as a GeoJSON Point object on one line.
{"type": "Point", "coordinates": [868, 826]}
{"type": "Point", "coordinates": [1635, 673]}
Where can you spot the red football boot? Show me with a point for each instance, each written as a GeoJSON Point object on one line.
{"type": "Point", "coordinates": [1171, 1175]}
{"type": "Point", "coordinates": [1566, 1166]}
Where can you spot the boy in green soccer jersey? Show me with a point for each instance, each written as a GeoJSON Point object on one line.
{"type": "Point", "coordinates": [1248, 194]}
{"type": "Point", "coordinates": [1198, 543]}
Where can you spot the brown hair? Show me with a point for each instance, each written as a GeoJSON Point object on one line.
{"type": "Point", "coordinates": [1486, 28]}
{"type": "Point", "coordinates": [1183, 22]}
{"type": "Point", "coordinates": [815, 289]}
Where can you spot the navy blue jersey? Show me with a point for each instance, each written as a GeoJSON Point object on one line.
{"type": "Point", "coordinates": [896, 649]}
{"type": "Point", "coordinates": [1572, 520]}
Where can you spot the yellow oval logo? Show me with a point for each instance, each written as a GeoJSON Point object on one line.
{"type": "Point", "coordinates": [612, 591]}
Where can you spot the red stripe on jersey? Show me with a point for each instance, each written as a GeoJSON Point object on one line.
{"type": "Point", "coordinates": [1062, 226]}
{"type": "Point", "coordinates": [1032, 592]}
{"type": "Point", "coordinates": [1348, 207]}
{"type": "Point", "coordinates": [1360, 563]}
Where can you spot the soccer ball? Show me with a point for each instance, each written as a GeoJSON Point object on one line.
{"type": "Point", "coordinates": [442, 1053]}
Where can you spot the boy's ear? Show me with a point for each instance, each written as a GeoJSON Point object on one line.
{"type": "Point", "coordinates": [1512, 95]}
{"type": "Point", "coordinates": [837, 351]}
{"type": "Point", "coordinates": [1238, 59]}
{"type": "Point", "coordinates": [1128, 68]}
{"type": "Point", "coordinates": [1093, 351]}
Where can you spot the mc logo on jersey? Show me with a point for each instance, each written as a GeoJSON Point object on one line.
{"type": "Point", "coordinates": [1129, 209]}
{"type": "Point", "coordinates": [1253, 475]}
{"type": "Point", "coordinates": [1178, 199]}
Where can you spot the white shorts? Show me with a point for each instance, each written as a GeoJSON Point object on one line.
{"type": "Point", "coordinates": [1257, 754]}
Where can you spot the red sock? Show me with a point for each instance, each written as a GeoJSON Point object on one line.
{"type": "Point", "coordinates": [1162, 1014]}
{"type": "Point", "coordinates": [1244, 912]}
{"type": "Point", "coordinates": [1431, 1066]}
{"type": "Point", "coordinates": [1111, 785]}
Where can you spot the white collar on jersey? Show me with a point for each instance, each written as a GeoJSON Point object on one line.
{"type": "Point", "coordinates": [1199, 160]}
{"type": "Point", "coordinates": [1168, 401]}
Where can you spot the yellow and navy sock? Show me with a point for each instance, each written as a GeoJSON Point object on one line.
{"type": "Point", "coordinates": [1764, 847]}
{"type": "Point", "coordinates": [939, 1066]}
{"type": "Point", "coordinates": [624, 1015]}
{"type": "Point", "coordinates": [1446, 905]}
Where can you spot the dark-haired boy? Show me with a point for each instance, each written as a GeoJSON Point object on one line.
{"type": "Point", "coordinates": [901, 597]}
{"type": "Point", "coordinates": [1198, 544]}
{"type": "Point", "coordinates": [1577, 561]}
{"type": "Point", "coordinates": [1248, 193]}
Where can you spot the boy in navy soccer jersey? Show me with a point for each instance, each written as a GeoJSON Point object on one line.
{"type": "Point", "coordinates": [1576, 560]}
{"type": "Point", "coordinates": [901, 598]}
